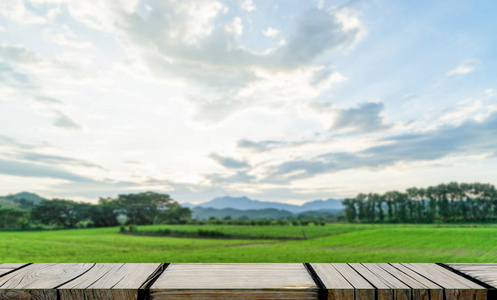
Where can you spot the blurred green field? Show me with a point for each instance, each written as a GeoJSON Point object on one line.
{"type": "Point", "coordinates": [330, 243]}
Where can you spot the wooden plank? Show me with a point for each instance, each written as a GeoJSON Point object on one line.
{"type": "Point", "coordinates": [109, 281]}
{"type": "Point", "coordinates": [12, 265]}
{"type": "Point", "coordinates": [456, 287]}
{"type": "Point", "coordinates": [234, 281]}
{"type": "Point", "coordinates": [9, 267]}
{"type": "Point", "coordinates": [363, 289]}
{"type": "Point", "coordinates": [388, 287]}
{"type": "Point", "coordinates": [486, 273]}
{"type": "Point", "coordinates": [5, 271]}
{"type": "Point", "coordinates": [338, 287]}
{"type": "Point", "coordinates": [436, 291]}
{"type": "Point", "coordinates": [38, 281]}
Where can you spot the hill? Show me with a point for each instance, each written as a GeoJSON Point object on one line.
{"type": "Point", "coordinates": [9, 200]}
{"type": "Point", "coordinates": [202, 213]}
{"type": "Point", "coordinates": [244, 203]}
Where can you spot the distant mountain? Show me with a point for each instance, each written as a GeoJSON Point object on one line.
{"type": "Point", "coordinates": [23, 195]}
{"type": "Point", "coordinates": [331, 204]}
{"type": "Point", "coordinates": [202, 213]}
{"type": "Point", "coordinates": [188, 204]}
{"type": "Point", "coordinates": [244, 203]}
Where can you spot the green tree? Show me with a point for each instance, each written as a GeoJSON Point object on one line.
{"type": "Point", "coordinates": [361, 207]}
{"type": "Point", "coordinates": [141, 208]}
{"type": "Point", "coordinates": [174, 214]}
{"type": "Point", "coordinates": [105, 213]}
{"type": "Point", "coordinates": [379, 206]}
{"type": "Point", "coordinates": [13, 218]}
{"type": "Point", "coordinates": [350, 209]}
{"type": "Point", "coordinates": [24, 203]}
{"type": "Point", "coordinates": [390, 200]}
{"type": "Point", "coordinates": [60, 212]}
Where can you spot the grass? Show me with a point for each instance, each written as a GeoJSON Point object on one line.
{"type": "Point", "coordinates": [257, 232]}
{"type": "Point", "coordinates": [331, 243]}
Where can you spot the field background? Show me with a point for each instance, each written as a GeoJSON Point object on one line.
{"type": "Point", "coordinates": [330, 243]}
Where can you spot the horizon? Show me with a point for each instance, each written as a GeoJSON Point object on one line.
{"type": "Point", "coordinates": [301, 203]}
{"type": "Point", "coordinates": [94, 201]}
{"type": "Point", "coordinates": [278, 101]}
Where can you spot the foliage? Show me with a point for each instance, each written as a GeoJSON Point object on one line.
{"type": "Point", "coordinates": [24, 203]}
{"type": "Point", "coordinates": [105, 213]}
{"type": "Point", "coordinates": [140, 208]}
{"type": "Point", "coordinates": [451, 202]}
{"type": "Point", "coordinates": [173, 214]}
{"type": "Point", "coordinates": [12, 218]}
{"type": "Point", "coordinates": [60, 212]}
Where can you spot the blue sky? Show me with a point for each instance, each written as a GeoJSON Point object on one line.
{"type": "Point", "coordinates": [277, 100]}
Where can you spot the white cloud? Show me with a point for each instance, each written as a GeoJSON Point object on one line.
{"type": "Point", "coordinates": [366, 117]}
{"type": "Point", "coordinates": [215, 74]}
{"type": "Point", "coordinates": [490, 92]}
{"type": "Point", "coordinates": [65, 122]}
{"type": "Point", "coordinates": [53, 13]}
{"type": "Point", "coordinates": [192, 45]}
{"type": "Point", "coordinates": [64, 36]}
{"type": "Point", "coordinates": [464, 68]}
{"type": "Point", "coordinates": [27, 59]}
{"type": "Point", "coordinates": [48, 100]}
{"type": "Point", "coordinates": [248, 5]}
{"type": "Point", "coordinates": [2, 30]}
{"type": "Point", "coordinates": [16, 11]}
{"type": "Point", "coordinates": [235, 27]}
{"type": "Point", "coordinates": [229, 162]}
{"type": "Point", "coordinates": [271, 32]}
{"type": "Point", "coordinates": [467, 109]}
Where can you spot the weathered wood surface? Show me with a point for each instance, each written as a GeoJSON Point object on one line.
{"type": "Point", "coordinates": [422, 288]}
{"type": "Point", "coordinates": [39, 281]}
{"type": "Point", "coordinates": [395, 281]}
{"type": "Point", "coordinates": [7, 268]}
{"type": "Point", "coordinates": [486, 273]}
{"type": "Point", "coordinates": [234, 281]}
{"type": "Point", "coordinates": [109, 281]}
{"type": "Point", "coordinates": [341, 281]}
{"type": "Point", "coordinates": [388, 287]}
{"type": "Point", "coordinates": [455, 286]}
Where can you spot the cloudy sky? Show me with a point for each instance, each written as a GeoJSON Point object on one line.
{"type": "Point", "coordinates": [277, 100]}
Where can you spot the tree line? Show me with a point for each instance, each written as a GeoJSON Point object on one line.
{"type": "Point", "coordinates": [452, 202]}
{"type": "Point", "coordinates": [138, 209]}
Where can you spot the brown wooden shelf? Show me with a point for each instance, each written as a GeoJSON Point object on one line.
{"type": "Point", "coordinates": [248, 281]}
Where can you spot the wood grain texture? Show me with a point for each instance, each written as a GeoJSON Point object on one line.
{"type": "Point", "coordinates": [455, 286]}
{"type": "Point", "coordinates": [234, 281]}
{"type": "Point", "coordinates": [486, 273]}
{"type": "Point", "coordinates": [8, 268]}
{"type": "Point", "coordinates": [375, 281]}
{"type": "Point", "coordinates": [12, 265]}
{"type": "Point", "coordinates": [362, 288]}
{"type": "Point", "coordinates": [435, 291]}
{"type": "Point", "coordinates": [43, 276]}
{"type": "Point", "coordinates": [337, 286]}
{"type": "Point", "coordinates": [109, 281]}
{"type": "Point", "coordinates": [388, 287]}
{"type": "Point", "coordinates": [38, 294]}
{"type": "Point", "coordinates": [38, 281]}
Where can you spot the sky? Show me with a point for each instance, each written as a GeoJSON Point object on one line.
{"type": "Point", "coordinates": [286, 101]}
